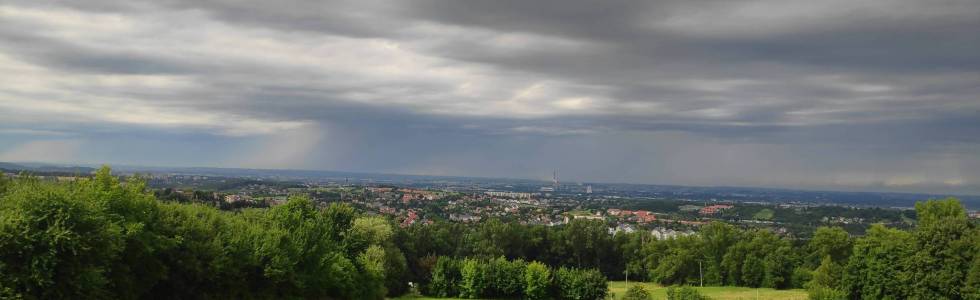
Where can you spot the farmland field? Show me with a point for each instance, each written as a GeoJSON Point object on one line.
{"type": "Point", "coordinates": [618, 288]}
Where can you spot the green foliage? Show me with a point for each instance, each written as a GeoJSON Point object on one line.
{"type": "Point", "coordinates": [933, 212]}
{"type": "Point", "coordinates": [876, 269]}
{"type": "Point", "coordinates": [580, 284]}
{"type": "Point", "coordinates": [825, 293]}
{"type": "Point", "coordinates": [801, 276]}
{"type": "Point", "coordinates": [4, 183]}
{"type": "Point", "coordinates": [396, 271]}
{"type": "Point", "coordinates": [684, 293]}
{"type": "Point", "coordinates": [828, 241]}
{"type": "Point", "coordinates": [100, 238]}
{"type": "Point", "coordinates": [103, 237]}
{"type": "Point", "coordinates": [445, 277]}
{"type": "Point", "coordinates": [717, 238]}
{"type": "Point", "coordinates": [944, 249]}
{"type": "Point", "coordinates": [828, 274]}
{"type": "Point", "coordinates": [506, 278]}
{"type": "Point", "coordinates": [500, 278]}
{"type": "Point", "coordinates": [777, 268]}
{"type": "Point", "coordinates": [56, 240]}
{"type": "Point", "coordinates": [764, 214]}
{"type": "Point", "coordinates": [636, 292]}
{"type": "Point", "coordinates": [679, 261]}
{"type": "Point", "coordinates": [760, 258]}
{"type": "Point", "coordinates": [537, 279]}
{"type": "Point", "coordinates": [972, 288]}
{"type": "Point", "coordinates": [474, 278]}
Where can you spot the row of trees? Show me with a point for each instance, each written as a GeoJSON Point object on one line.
{"type": "Point", "coordinates": [98, 239]}
{"type": "Point", "coordinates": [500, 278]}
{"type": "Point", "coordinates": [722, 253]}
{"type": "Point", "coordinates": [938, 259]}
{"type": "Point", "coordinates": [935, 259]}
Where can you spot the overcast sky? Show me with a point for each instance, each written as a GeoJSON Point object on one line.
{"type": "Point", "coordinates": [836, 94]}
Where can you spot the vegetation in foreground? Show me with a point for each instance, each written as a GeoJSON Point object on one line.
{"type": "Point", "coordinates": [98, 238]}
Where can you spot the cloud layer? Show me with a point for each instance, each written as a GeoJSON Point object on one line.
{"type": "Point", "coordinates": [881, 95]}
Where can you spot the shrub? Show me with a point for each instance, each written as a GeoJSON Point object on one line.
{"type": "Point", "coordinates": [54, 244]}
{"type": "Point", "coordinates": [537, 277]}
{"type": "Point", "coordinates": [473, 277]}
{"type": "Point", "coordinates": [506, 278]}
{"type": "Point", "coordinates": [636, 292]}
{"type": "Point", "coordinates": [580, 284]}
{"type": "Point", "coordinates": [801, 275]}
{"type": "Point", "coordinates": [445, 276]}
{"type": "Point", "coordinates": [816, 292]}
{"type": "Point", "coordinates": [684, 293]}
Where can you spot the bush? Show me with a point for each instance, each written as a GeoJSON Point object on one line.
{"type": "Point", "coordinates": [801, 275]}
{"type": "Point", "coordinates": [473, 275]}
{"type": "Point", "coordinates": [396, 272]}
{"type": "Point", "coordinates": [445, 276]}
{"type": "Point", "coordinates": [580, 284]}
{"type": "Point", "coordinates": [55, 244]}
{"type": "Point", "coordinates": [537, 277]}
{"type": "Point", "coordinates": [684, 293]}
{"type": "Point", "coordinates": [506, 278]}
{"type": "Point", "coordinates": [636, 292]}
{"type": "Point", "coordinates": [816, 292]}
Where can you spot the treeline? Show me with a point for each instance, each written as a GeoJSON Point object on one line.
{"type": "Point", "coordinates": [99, 239]}
{"type": "Point", "coordinates": [938, 259]}
{"type": "Point", "coordinates": [720, 254]}
{"type": "Point", "coordinates": [500, 278]}
{"type": "Point", "coordinates": [935, 260]}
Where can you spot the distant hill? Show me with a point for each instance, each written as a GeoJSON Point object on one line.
{"type": "Point", "coordinates": [11, 166]}
{"type": "Point", "coordinates": [45, 168]}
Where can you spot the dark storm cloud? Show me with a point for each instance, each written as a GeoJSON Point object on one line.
{"type": "Point", "coordinates": [883, 94]}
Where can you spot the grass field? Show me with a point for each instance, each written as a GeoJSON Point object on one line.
{"type": "Point", "coordinates": [618, 288]}
{"type": "Point", "coordinates": [765, 214]}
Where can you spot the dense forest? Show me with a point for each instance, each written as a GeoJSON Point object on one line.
{"type": "Point", "coordinates": [101, 237]}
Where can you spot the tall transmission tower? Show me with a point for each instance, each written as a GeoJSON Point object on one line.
{"type": "Point", "coordinates": [554, 178]}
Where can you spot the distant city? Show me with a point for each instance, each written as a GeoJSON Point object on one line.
{"type": "Point", "coordinates": [665, 211]}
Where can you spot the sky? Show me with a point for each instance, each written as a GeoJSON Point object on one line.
{"type": "Point", "coordinates": [876, 95]}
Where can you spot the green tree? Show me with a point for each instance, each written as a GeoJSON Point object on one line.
{"type": "Point", "coordinates": [972, 288]}
{"type": "Point", "coordinates": [372, 266]}
{"type": "Point", "coordinates": [473, 279]}
{"type": "Point", "coordinates": [506, 278]}
{"type": "Point", "coordinates": [753, 271]}
{"type": "Point", "coordinates": [537, 279]}
{"type": "Point", "coordinates": [396, 271]}
{"type": "Point", "coordinates": [580, 284]}
{"type": "Point", "coordinates": [944, 250]}
{"type": "Point", "coordinates": [828, 241]}
{"type": "Point", "coordinates": [679, 263]}
{"type": "Point", "coordinates": [877, 268]}
{"type": "Point", "coordinates": [445, 276]}
{"type": "Point", "coordinates": [817, 292]}
{"type": "Point", "coordinates": [56, 244]}
{"type": "Point", "coordinates": [684, 293]}
{"type": "Point", "coordinates": [778, 267]}
{"type": "Point", "coordinates": [717, 237]}
{"type": "Point", "coordinates": [636, 292]}
{"type": "Point", "coordinates": [828, 274]}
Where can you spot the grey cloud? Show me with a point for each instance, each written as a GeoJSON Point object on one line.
{"type": "Point", "coordinates": [444, 86]}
